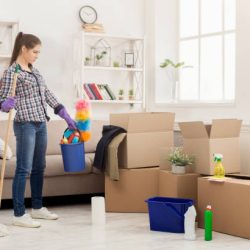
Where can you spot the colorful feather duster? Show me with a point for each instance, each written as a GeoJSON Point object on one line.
{"type": "Point", "coordinates": [82, 118]}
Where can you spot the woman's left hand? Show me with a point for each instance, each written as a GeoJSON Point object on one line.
{"type": "Point", "coordinates": [64, 114]}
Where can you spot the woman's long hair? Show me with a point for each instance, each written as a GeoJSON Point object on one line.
{"type": "Point", "coordinates": [27, 40]}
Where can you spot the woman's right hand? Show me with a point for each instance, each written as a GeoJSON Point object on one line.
{"type": "Point", "coordinates": [8, 104]}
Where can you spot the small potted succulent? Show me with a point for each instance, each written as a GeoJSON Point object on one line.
{"type": "Point", "coordinates": [180, 160]}
{"type": "Point", "coordinates": [121, 94]}
{"type": "Point", "coordinates": [87, 61]}
{"type": "Point", "coordinates": [131, 94]}
{"type": "Point", "coordinates": [116, 64]}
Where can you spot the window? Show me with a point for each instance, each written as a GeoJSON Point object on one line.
{"type": "Point", "coordinates": [207, 44]}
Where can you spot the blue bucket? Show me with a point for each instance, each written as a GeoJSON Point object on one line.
{"type": "Point", "coordinates": [73, 157]}
{"type": "Point", "coordinates": [167, 214]}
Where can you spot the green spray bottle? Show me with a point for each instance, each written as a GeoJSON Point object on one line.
{"type": "Point", "coordinates": [208, 216]}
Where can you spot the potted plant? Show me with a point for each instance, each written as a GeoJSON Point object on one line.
{"type": "Point", "coordinates": [87, 61]}
{"type": "Point", "coordinates": [131, 94]}
{"type": "Point", "coordinates": [116, 64]}
{"type": "Point", "coordinates": [99, 57]}
{"type": "Point", "coordinates": [180, 160]}
{"type": "Point", "coordinates": [121, 94]}
{"type": "Point", "coordinates": [173, 74]}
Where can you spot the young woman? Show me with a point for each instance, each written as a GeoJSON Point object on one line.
{"type": "Point", "coordinates": [30, 101]}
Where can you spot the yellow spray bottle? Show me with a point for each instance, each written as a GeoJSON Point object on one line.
{"type": "Point", "coordinates": [219, 171]}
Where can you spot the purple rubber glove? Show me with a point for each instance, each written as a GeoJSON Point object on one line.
{"type": "Point", "coordinates": [64, 114]}
{"type": "Point", "coordinates": [8, 104]}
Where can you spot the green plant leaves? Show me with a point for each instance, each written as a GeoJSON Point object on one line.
{"type": "Point", "coordinates": [179, 158]}
{"type": "Point", "coordinates": [100, 56]}
{"type": "Point", "coordinates": [169, 62]}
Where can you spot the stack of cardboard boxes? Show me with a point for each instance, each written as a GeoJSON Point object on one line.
{"type": "Point", "coordinates": [230, 198]}
{"type": "Point", "coordinates": [145, 148]}
{"type": "Point", "coordinates": [139, 160]}
{"type": "Point", "coordinates": [176, 185]}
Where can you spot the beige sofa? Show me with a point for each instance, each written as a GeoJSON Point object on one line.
{"type": "Point", "coordinates": [56, 181]}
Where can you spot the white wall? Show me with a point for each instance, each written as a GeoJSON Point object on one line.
{"type": "Point", "coordinates": [56, 22]}
{"type": "Point", "coordinates": [166, 24]}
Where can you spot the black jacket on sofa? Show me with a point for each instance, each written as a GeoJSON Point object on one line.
{"type": "Point", "coordinates": [108, 133]}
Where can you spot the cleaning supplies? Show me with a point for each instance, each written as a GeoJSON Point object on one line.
{"type": "Point", "coordinates": [219, 171]}
{"type": "Point", "coordinates": [189, 224]}
{"type": "Point", "coordinates": [82, 117]}
{"type": "Point", "coordinates": [208, 216]}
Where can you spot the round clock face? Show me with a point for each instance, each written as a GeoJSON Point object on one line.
{"type": "Point", "coordinates": [88, 14]}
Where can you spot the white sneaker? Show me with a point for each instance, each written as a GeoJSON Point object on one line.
{"type": "Point", "coordinates": [43, 213]}
{"type": "Point", "coordinates": [25, 221]}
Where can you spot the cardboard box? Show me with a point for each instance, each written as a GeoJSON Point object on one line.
{"type": "Point", "coordinates": [146, 134]}
{"type": "Point", "coordinates": [202, 141]}
{"type": "Point", "coordinates": [178, 185]}
{"type": "Point", "coordinates": [164, 163]}
{"type": "Point", "coordinates": [230, 203]}
{"type": "Point", "coordinates": [130, 192]}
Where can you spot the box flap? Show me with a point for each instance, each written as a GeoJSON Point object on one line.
{"type": "Point", "coordinates": [120, 120]}
{"type": "Point", "coordinates": [193, 130]}
{"type": "Point", "coordinates": [144, 122]}
{"type": "Point", "coordinates": [225, 128]}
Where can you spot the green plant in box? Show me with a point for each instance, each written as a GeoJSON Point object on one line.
{"type": "Point", "coordinates": [180, 158]}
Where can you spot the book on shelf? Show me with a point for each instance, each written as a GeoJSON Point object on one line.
{"type": "Point", "coordinates": [93, 27]}
{"type": "Point", "coordinates": [85, 94]}
{"type": "Point", "coordinates": [110, 92]}
{"type": "Point", "coordinates": [98, 91]}
{"type": "Point", "coordinates": [104, 93]}
{"type": "Point", "coordinates": [88, 91]}
{"type": "Point", "coordinates": [95, 97]}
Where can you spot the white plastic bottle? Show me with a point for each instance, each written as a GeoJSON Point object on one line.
{"type": "Point", "coordinates": [189, 224]}
{"type": "Point", "coordinates": [98, 210]}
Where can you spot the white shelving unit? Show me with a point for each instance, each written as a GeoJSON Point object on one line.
{"type": "Point", "coordinates": [113, 68]}
{"type": "Point", "coordinates": [121, 77]}
{"type": "Point", "coordinates": [8, 32]}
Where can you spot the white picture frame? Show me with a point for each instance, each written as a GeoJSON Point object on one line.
{"type": "Point", "coordinates": [129, 59]}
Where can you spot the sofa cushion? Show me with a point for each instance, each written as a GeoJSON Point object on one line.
{"type": "Point", "coordinates": [12, 139]}
{"type": "Point", "coordinates": [54, 166]}
{"type": "Point", "coordinates": [8, 151]}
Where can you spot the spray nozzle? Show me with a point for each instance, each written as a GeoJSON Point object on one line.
{"type": "Point", "coordinates": [218, 157]}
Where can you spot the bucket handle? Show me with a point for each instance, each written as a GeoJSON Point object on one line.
{"type": "Point", "coordinates": [74, 130]}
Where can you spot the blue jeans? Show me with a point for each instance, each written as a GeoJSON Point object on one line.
{"type": "Point", "coordinates": [31, 144]}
